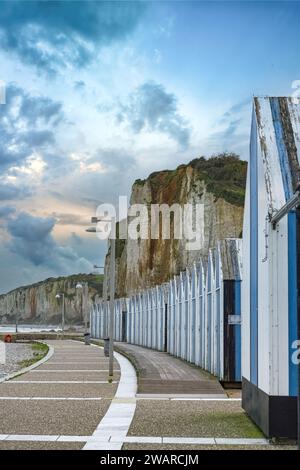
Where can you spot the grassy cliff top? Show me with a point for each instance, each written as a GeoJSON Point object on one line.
{"type": "Point", "coordinates": [224, 175]}
{"type": "Point", "coordinates": [94, 281]}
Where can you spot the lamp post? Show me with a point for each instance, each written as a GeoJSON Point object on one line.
{"type": "Point", "coordinates": [79, 287]}
{"type": "Point", "coordinates": [16, 316]}
{"type": "Point", "coordinates": [104, 293]}
{"type": "Point", "coordinates": [58, 296]}
{"type": "Point", "coordinates": [112, 221]}
{"type": "Point", "coordinates": [112, 297]}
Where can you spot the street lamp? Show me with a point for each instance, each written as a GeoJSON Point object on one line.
{"type": "Point", "coordinates": [112, 221]}
{"type": "Point", "coordinates": [58, 296]}
{"type": "Point", "coordinates": [104, 293]}
{"type": "Point", "coordinates": [79, 287]}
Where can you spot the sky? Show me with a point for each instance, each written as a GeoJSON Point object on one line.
{"type": "Point", "coordinates": [99, 94]}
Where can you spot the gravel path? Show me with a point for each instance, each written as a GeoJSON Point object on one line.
{"type": "Point", "coordinates": [15, 352]}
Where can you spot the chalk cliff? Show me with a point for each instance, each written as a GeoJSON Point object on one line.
{"type": "Point", "coordinates": [37, 303]}
{"type": "Point", "coordinates": [218, 183]}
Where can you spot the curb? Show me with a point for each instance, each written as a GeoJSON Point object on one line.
{"type": "Point", "coordinates": [114, 426]}
{"type": "Point", "coordinates": [33, 366]}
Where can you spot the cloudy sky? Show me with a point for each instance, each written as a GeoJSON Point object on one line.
{"type": "Point", "coordinates": [101, 93]}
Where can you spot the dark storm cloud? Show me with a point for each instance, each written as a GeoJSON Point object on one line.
{"type": "Point", "coordinates": [10, 191]}
{"type": "Point", "coordinates": [6, 211]}
{"type": "Point", "coordinates": [151, 108]}
{"type": "Point", "coordinates": [27, 123]}
{"type": "Point", "coordinates": [51, 34]}
{"type": "Point", "coordinates": [36, 138]}
{"type": "Point", "coordinates": [31, 238]}
{"type": "Point", "coordinates": [35, 109]}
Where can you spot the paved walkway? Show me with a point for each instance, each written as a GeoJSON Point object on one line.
{"type": "Point", "coordinates": [60, 404]}
{"type": "Point", "coordinates": [67, 403]}
{"type": "Point", "coordinates": [160, 374]}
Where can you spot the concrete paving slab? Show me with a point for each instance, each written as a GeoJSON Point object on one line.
{"type": "Point", "coordinates": [86, 382]}
{"type": "Point", "coordinates": [67, 371]}
{"type": "Point", "coordinates": [58, 390]}
{"type": "Point", "coordinates": [79, 357]}
{"type": "Point", "coordinates": [188, 440]}
{"type": "Point", "coordinates": [21, 445]}
{"type": "Point", "coordinates": [44, 438]}
{"type": "Point", "coordinates": [192, 419]}
{"type": "Point", "coordinates": [26, 437]}
{"type": "Point", "coordinates": [238, 441]}
{"type": "Point", "coordinates": [143, 439]}
{"type": "Point", "coordinates": [48, 366]}
{"type": "Point", "coordinates": [186, 447]}
{"type": "Point", "coordinates": [51, 417]}
{"type": "Point", "coordinates": [115, 424]}
{"type": "Point", "coordinates": [50, 398]}
{"type": "Point", "coordinates": [80, 376]}
{"type": "Point", "coordinates": [186, 396]}
{"type": "Point", "coordinates": [72, 439]}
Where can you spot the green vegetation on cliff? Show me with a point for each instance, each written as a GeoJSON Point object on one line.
{"type": "Point", "coordinates": [224, 175]}
{"type": "Point", "coordinates": [94, 281]}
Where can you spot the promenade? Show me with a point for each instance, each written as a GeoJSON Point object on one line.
{"type": "Point", "coordinates": [68, 402]}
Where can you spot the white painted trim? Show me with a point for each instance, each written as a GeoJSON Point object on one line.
{"type": "Point", "coordinates": [241, 441]}
{"type": "Point", "coordinates": [78, 362]}
{"type": "Point", "coordinates": [166, 398]}
{"type": "Point", "coordinates": [115, 443]}
{"type": "Point", "coordinates": [72, 438]}
{"type": "Point", "coordinates": [173, 396]}
{"type": "Point", "coordinates": [63, 382]}
{"type": "Point", "coordinates": [188, 440]}
{"type": "Point", "coordinates": [195, 440]}
{"type": "Point", "coordinates": [70, 370]}
{"type": "Point", "coordinates": [42, 438]}
{"type": "Point", "coordinates": [144, 439]}
{"type": "Point", "coordinates": [53, 398]}
{"type": "Point", "coordinates": [27, 438]}
{"type": "Point", "coordinates": [113, 428]}
{"type": "Point", "coordinates": [33, 366]}
{"type": "Point", "coordinates": [206, 399]}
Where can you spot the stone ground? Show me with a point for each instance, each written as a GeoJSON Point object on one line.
{"type": "Point", "coordinates": [27, 406]}
{"type": "Point", "coordinates": [192, 419]}
{"type": "Point", "coordinates": [15, 353]}
{"type": "Point", "coordinates": [161, 377]}
{"type": "Point", "coordinates": [186, 447]}
{"type": "Point", "coordinates": [63, 400]}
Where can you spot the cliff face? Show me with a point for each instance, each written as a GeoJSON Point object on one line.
{"type": "Point", "coordinates": [217, 183]}
{"type": "Point", "coordinates": [37, 303]}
